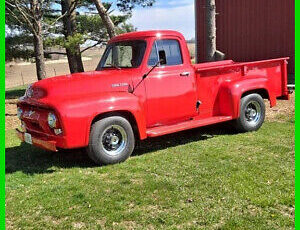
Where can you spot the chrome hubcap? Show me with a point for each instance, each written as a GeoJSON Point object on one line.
{"type": "Point", "coordinates": [253, 112]}
{"type": "Point", "coordinates": [113, 140]}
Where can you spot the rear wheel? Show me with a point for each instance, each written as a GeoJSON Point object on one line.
{"type": "Point", "coordinates": [111, 140]}
{"type": "Point", "coordinates": [252, 113]}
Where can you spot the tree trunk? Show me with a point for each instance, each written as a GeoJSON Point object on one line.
{"type": "Point", "coordinates": [110, 27]}
{"type": "Point", "coordinates": [211, 46]}
{"type": "Point", "coordinates": [38, 41]}
{"type": "Point", "coordinates": [39, 57]}
{"type": "Point", "coordinates": [73, 54]}
{"type": "Point", "coordinates": [212, 54]}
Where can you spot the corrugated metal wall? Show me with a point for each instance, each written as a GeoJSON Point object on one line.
{"type": "Point", "coordinates": [251, 29]}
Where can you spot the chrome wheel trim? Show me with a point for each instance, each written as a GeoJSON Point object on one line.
{"type": "Point", "coordinates": [113, 140]}
{"type": "Point", "coordinates": [253, 112]}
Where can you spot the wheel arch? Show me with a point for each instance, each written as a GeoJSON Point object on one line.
{"type": "Point", "coordinates": [261, 91]}
{"type": "Point", "coordinates": [122, 113]}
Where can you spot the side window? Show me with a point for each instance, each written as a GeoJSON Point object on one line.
{"type": "Point", "coordinates": [172, 50]}
{"type": "Point", "coordinates": [153, 59]}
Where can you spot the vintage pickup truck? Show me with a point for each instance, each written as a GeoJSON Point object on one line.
{"type": "Point", "coordinates": [146, 86]}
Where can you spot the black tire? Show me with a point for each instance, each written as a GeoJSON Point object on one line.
{"type": "Point", "coordinates": [111, 140]}
{"type": "Point", "coordinates": [252, 113]}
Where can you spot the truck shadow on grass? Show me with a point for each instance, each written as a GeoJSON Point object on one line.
{"type": "Point", "coordinates": [31, 160]}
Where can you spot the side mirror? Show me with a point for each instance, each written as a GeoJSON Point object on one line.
{"type": "Point", "coordinates": [162, 57]}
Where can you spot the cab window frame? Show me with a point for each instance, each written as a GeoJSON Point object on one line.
{"type": "Point", "coordinates": [156, 46]}
{"type": "Point", "coordinates": [109, 46]}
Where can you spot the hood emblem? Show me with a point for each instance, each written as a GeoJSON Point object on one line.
{"type": "Point", "coordinates": [119, 85]}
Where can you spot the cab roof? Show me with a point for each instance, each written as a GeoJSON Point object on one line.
{"type": "Point", "coordinates": [148, 33]}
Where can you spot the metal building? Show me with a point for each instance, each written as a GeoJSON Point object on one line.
{"type": "Point", "coordinates": [250, 30]}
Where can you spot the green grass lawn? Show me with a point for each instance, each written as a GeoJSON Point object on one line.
{"type": "Point", "coordinates": [205, 178]}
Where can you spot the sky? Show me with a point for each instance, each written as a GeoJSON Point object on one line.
{"type": "Point", "coordinates": [167, 14]}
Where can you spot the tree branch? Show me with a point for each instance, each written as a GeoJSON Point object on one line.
{"type": "Point", "coordinates": [15, 16]}
{"type": "Point", "coordinates": [56, 20]}
{"type": "Point", "coordinates": [72, 6]}
{"type": "Point", "coordinates": [54, 52]}
{"type": "Point", "coordinates": [87, 48]}
{"type": "Point", "coordinates": [24, 16]}
{"type": "Point", "coordinates": [25, 9]}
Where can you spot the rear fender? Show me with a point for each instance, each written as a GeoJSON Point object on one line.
{"type": "Point", "coordinates": [231, 93]}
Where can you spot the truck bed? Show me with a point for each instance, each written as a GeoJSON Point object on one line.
{"type": "Point", "coordinates": [274, 70]}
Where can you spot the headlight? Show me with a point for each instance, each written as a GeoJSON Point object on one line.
{"type": "Point", "coordinates": [52, 120]}
{"type": "Point", "coordinates": [19, 112]}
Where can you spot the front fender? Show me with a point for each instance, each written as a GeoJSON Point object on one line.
{"type": "Point", "coordinates": [231, 93]}
{"type": "Point", "coordinates": [77, 114]}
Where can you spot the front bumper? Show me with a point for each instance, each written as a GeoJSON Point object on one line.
{"type": "Point", "coordinates": [38, 141]}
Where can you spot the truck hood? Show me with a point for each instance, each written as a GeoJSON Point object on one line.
{"type": "Point", "coordinates": [84, 84]}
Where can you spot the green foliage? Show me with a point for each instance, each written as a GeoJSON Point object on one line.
{"type": "Point", "coordinates": [125, 28]}
{"type": "Point", "coordinates": [92, 26]}
{"type": "Point", "coordinates": [94, 29]}
{"type": "Point", "coordinates": [89, 27]}
{"type": "Point", "coordinates": [129, 5]}
{"type": "Point", "coordinates": [19, 42]}
{"type": "Point", "coordinates": [18, 47]}
{"type": "Point", "coordinates": [14, 19]}
{"type": "Point", "coordinates": [12, 53]}
{"type": "Point", "coordinates": [73, 41]}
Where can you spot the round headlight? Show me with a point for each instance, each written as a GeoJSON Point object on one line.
{"type": "Point", "coordinates": [19, 112]}
{"type": "Point", "coordinates": [52, 120]}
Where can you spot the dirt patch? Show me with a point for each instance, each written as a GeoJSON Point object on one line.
{"type": "Point", "coordinates": [11, 119]}
{"type": "Point", "coordinates": [283, 109]}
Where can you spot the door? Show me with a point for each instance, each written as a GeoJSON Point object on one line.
{"type": "Point", "coordinates": [170, 88]}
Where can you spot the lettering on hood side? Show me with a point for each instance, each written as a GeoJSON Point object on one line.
{"type": "Point", "coordinates": [119, 85]}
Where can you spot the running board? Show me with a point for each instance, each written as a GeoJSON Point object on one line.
{"type": "Point", "coordinates": [167, 129]}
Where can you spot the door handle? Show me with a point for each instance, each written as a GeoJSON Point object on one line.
{"type": "Point", "coordinates": [185, 74]}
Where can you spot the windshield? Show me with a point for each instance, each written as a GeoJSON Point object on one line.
{"type": "Point", "coordinates": [125, 54]}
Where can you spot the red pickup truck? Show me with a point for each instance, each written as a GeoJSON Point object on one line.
{"type": "Point", "coordinates": [146, 86]}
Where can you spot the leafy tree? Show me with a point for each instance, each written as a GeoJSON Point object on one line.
{"type": "Point", "coordinates": [26, 17]}
{"type": "Point", "coordinates": [92, 28]}
{"type": "Point", "coordinates": [89, 27]}
{"type": "Point", "coordinates": [79, 28]}
{"type": "Point", "coordinates": [16, 47]}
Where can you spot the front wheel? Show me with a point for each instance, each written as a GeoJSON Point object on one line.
{"type": "Point", "coordinates": [111, 140]}
{"type": "Point", "coordinates": [252, 113]}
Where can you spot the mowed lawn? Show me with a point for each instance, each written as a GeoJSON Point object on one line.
{"type": "Point", "coordinates": [209, 178]}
